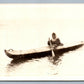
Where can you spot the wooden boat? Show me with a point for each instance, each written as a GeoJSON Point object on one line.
{"type": "Point", "coordinates": [40, 52]}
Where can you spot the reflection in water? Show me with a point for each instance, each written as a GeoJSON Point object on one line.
{"type": "Point", "coordinates": [60, 52]}
{"type": "Point", "coordinates": [55, 60]}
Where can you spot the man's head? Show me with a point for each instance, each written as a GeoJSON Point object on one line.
{"type": "Point", "coordinates": [53, 35]}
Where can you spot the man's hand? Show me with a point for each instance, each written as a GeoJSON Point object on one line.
{"type": "Point", "coordinates": [61, 44]}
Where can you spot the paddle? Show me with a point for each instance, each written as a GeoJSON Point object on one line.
{"type": "Point", "coordinates": [51, 46]}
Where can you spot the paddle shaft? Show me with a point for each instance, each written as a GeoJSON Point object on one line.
{"type": "Point", "coordinates": [53, 54]}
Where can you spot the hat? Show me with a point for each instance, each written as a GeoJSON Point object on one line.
{"type": "Point", "coordinates": [53, 34]}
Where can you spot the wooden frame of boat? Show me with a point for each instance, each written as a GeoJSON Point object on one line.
{"type": "Point", "coordinates": [40, 52]}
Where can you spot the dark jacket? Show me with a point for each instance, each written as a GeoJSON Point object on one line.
{"type": "Point", "coordinates": [57, 42]}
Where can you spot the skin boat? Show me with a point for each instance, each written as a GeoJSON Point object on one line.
{"type": "Point", "coordinates": [40, 52]}
{"type": "Point", "coordinates": [32, 53]}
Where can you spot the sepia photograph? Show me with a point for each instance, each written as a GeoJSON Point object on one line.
{"type": "Point", "coordinates": [42, 42]}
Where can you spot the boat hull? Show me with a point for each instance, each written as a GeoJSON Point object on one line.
{"type": "Point", "coordinates": [32, 55]}
{"type": "Point", "coordinates": [38, 54]}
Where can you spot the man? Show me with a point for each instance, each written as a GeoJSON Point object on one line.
{"type": "Point", "coordinates": [54, 42]}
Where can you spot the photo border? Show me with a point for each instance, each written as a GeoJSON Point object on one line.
{"type": "Point", "coordinates": [41, 1]}
{"type": "Point", "coordinates": [45, 2]}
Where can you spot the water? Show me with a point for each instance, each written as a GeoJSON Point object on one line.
{"type": "Point", "coordinates": [70, 64]}
{"type": "Point", "coordinates": [26, 31]}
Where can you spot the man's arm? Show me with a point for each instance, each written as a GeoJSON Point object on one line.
{"type": "Point", "coordinates": [49, 41]}
{"type": "Point", "coordinates": [58, 42]}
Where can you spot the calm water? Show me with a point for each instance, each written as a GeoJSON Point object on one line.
{"type": "Point", "coordinates": [70, 64]}
{"type": "Point", "coordinates": [19, 36]}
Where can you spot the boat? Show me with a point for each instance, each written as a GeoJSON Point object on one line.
{"type": "Point", "coordinates": [40, 52]}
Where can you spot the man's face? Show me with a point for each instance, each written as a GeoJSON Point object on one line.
{"type": "Point", "coordinates": [53, 36]}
